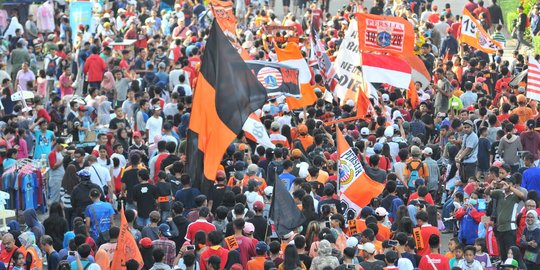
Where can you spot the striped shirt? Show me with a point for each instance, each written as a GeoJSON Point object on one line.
{"type": "Point", "coordinates": [65, 198]}
{"type": "Point", "coordinates": [499, 37]}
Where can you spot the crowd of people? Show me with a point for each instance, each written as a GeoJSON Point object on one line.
{"type": "Point", "coordinates": [110, 126]}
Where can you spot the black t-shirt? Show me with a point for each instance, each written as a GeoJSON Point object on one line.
{"type": "Point", "coordinates": [130, 179]}
{"type": "Point", "coordinates": [376, 265]}
{"type": "Point", "coordinates": [145, 195]}
{"type": "Point", "coordinates": [164, 189]}
{"type": "Point", "coordinates": [216, 195]}
{"type": "Point", "coordinates": [304, 258]}
{"type": "Point", "coordinates": [52, 260]}
{"type": "Point", "coordinates": [170, 159]}
{"type": "Point", "coordinates": [118, 123]}
{"type": "Point", "coordinates": [261, 227]}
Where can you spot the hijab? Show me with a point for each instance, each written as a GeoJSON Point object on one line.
{"type": "Point", "coordinates": [405, 264]}
{"type": "Point", "coordinates": [536, 224]}
{"type": "Point", "coordinates": [31, 220]}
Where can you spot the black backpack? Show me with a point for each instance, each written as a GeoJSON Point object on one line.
{"type": "Point", "coordinates": [51, 68]}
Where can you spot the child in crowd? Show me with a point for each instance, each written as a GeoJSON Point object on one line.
{"type": "Point", "coordinates": [481, 255]}
{"type": "Point", "coordinates": [469, 263]}
{"type": "Point", "coordinates": [458, 254]}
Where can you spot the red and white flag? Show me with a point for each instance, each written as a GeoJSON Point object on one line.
{"type": "Point", "coordinates": [356, 187]}
{"type": "Point", "coordinates": [378, 68]}
{"type": "Point", "coordinates": [255, 131]}
{"type": "Point", "coordinates": [319, 57]}
{"type": "Point", "coordinates": [533, 79]}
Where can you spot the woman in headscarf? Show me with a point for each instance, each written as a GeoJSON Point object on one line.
{"type": "Point", "coordinates": [232, 259]}
{"type": "Point", "coordinates": [69, 181]}
{"type": "Point", "coordinates": [514, 253]}
{"type": "Point", "coordinates": [530, 240]}
{"type": "Point", "coordinates": [122, 138]}
{"type": "Point", "coordinates": [405, 264]}
{"type": "Point", "coordinates": [184, 123]}
{"type": "Point", "coordinates": [12, 28]}
{"type": "Point", "coordinates": [56, 225]}
{"type": "Point", "coordinates": [324, 257]}
{"type": "Point", "coordinates": [34, 257]}
{"type": "Point", "coordinates": [15, 230]}
{"type": "Point", "coordinates": [31, 220]}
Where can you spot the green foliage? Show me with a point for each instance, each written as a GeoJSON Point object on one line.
{"type": "Point", "coordinates": [536, 44]}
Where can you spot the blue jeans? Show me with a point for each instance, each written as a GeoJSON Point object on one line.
{"type": "Point", "coordinates": [143, 221]}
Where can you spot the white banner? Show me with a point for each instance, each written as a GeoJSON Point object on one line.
{"type": "Point", "coordinates": [256, 129]}
{"type": "Point", "coordinates": [347, 63]}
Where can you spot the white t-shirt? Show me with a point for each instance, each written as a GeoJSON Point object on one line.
{"type": "Point", "coordinates": [104, 177]}
{"type": "Point", "coordinates": [154, 125]}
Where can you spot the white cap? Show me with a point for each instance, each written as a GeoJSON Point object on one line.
{"type": "Point", "coordinates": [285, 108]}
{"type": "Point", "coordinates": [352, 242]}
{"type": "Point", "coordinates": [350, 102]}
{"type": "Point", "coordinates": [367, 247]}
{"type": "Point", "coordinates": [364, 131]}
{"type": "Point", "coordinates": [303, 115]}
{"type": "Point", "coordinates": [266, 108]}
{"type": "Point", "coordinates": [385, 97]}
{"type": "Point", "coordinates": [381, 212]}
{"type": "Point", "coordinates": [397, 114]}
{"type": "Point", "coordinates": [428, 151]}
{"type": "Point", "coordinates": [268, 191]}
{"type": "Point", "coordinates": [389, 131]}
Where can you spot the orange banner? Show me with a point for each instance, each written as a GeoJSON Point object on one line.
{"type": "Point", "coordinates": [223, 12]}
{"type": "Point", "coordinates": [385, 34]}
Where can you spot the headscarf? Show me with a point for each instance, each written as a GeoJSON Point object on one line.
{"type": "Point", "coordinates": [70, 179]}
{"type": "Point", "coordinates": [13, 26]}
{"type": "Point", "coordinates": [14, 226]}
{"type": "Point", "coordinates": [184, 123]}
{"type": "Point", "coordinates": [68, 236]}
{"type": "Point", "coordinates": [536, 223]}
{"type": "Point", "coordinates": [405, 264]}
{"type": "Point", "coordinates": [27, 239]}
{"type": "Point", "coordinates": [31, 220]}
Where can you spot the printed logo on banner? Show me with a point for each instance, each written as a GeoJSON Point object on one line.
{"type": "Point", "coordinates": [270, 77]}
{"type": "Point", "coordinates": [384, 34]}
{"type": "Point", "coordinates": [350, 168]}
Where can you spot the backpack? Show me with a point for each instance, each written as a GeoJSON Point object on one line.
{"type": "Point", "coordinates": [414, 173]}
{"type": "Point", "coordinates": [51, 68]}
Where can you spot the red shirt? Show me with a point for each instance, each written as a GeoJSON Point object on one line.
{"type": "Point", "coordinates": [5, 256]}
{"type": "Point", "coordinates": [198, 225]}
{"type": "Point", "coordinates": [414, 196]}
{"type": "Point", "coordinates": [94, 67]}
{"type": "Point", "coordinates": [439, 261]}
{"type": "Point", "coordinates": [247, 249]}
{"type": "Point", "coordinates": [211, 251]}
{"type": "Point", "coordinates": [427, 230]}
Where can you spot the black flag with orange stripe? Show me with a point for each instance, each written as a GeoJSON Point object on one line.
{"type": "Point", "coordinates": [227, 92]}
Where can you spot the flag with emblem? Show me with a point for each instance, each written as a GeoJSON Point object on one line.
{"type": "Point", "coordinates": [386, 34]}
{"type": "Point", "coordinates": [126, 248]}
{"type": "Point", "coordinates": [356, 187]}
{"type": "Point", "coordinates": [473, 34]}
{"type": "Point", "coordinates": [278, 79]}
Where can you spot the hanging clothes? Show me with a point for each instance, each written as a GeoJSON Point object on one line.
{"type": "Point", "coordinates": [3, 19]}
{"type": "Point", "coordinates": [45, 18]}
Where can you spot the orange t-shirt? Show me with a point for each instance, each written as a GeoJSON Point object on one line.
{"type": "Point", "coordinates": [524, 113]}
{"type": "Point", "coordinates": [306, 141]}
{"type": "Point", "coordinates": [256, 263]}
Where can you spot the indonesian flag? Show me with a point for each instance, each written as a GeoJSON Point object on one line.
{"type": "Point", "coordinates": [256, 131]}
{"type": "Point", "coordinates": [378, 68]}
{"type": "Point", "coordinates": [291, 56]}
{"type": "Point", "coordinates": [473, 34]}
{"type": "Point", "coordinates": [356, 187]}
{"type": "Point", "coordinates": [533, 79]}
{"type": "Point", "coordinates": [419, 71]}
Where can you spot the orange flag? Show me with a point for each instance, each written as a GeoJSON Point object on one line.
{"type": "Point", "coordinates": [307, 99]}
{"type": "Point", "coordinates": [356, 187]}
{"type": "Point", "coordinates": [127, 248]}
{"type": "Point", "coordinates": [223, 12]}
{"type": "Point", "coordinates": [412, 95]}
{"type": "Point", "coordinates": [363, 104]}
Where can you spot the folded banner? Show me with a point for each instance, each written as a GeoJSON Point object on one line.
{"type": "Point", "coordinates": [473, 34]}
{"type": "Point", "coordinates": [346, 65]}
{"type": "Point", "coordinates": [385, 34]}
{"type": "Point", "coordinates": [226, 94]}
{"type": "Point", "coordinates": [356, 187]}
{"type": "Point", "coordinates": [377, 68]}
{"type": "Point", "coordinates": [255, 131]}
{"type": "Point", "coordinates": [533, 79]}
{"type": "Point", "coordinates": [277, 78]}
{"type": "Point", "coordinates": [283, 210]}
